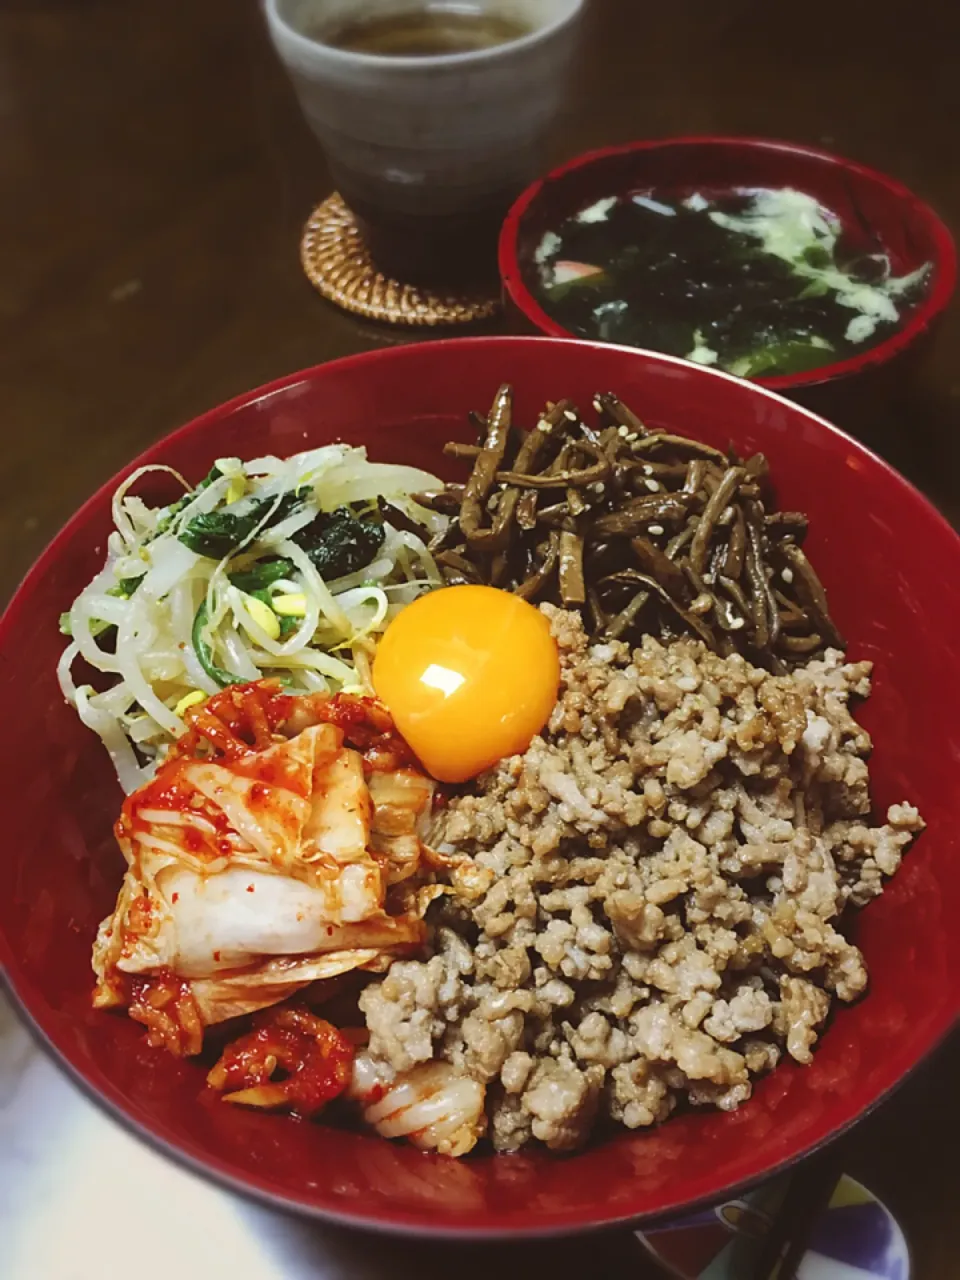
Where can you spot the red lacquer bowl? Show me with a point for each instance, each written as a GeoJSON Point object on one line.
{"type": "Point", "coordinates": [869, 204]}
{"type": "Point", "coordinates": [892, 566]}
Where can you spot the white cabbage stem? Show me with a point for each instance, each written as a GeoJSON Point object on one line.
{"type": "Point", "coordinates": [435, 1106]}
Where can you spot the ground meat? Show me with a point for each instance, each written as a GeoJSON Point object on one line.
{"type": "Point", "coordinates": [638, 1094]}
{"type": "Point", "coordinates": [413, 1005]}
{"type": "Point", "coordinates": [562, 1099]}
{"type": "Point", "coordinates": [802, 1009]}
{"type": "Point", "coordinates": [650, 909]}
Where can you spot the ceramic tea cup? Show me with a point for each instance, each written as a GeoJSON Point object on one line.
{"type": "Point", "coordinates": [429, 149]}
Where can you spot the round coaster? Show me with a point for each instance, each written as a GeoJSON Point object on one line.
{"type": "Point", "coordinates": [338, 265]}
{"type": "Point", "coordinates": [855, 1238]}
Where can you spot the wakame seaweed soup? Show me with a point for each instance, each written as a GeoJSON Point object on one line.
{"type": "Point", "coordinates": [756, 282]}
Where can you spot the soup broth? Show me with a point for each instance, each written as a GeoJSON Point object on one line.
{"type": "Point", "coordinates": [756, 282]}
{"type": "Point", "coordinates": [426, 32]}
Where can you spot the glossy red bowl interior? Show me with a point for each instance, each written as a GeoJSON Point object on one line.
{"type": "Point", "coordinates": [869, 204]}
{"type": "Point", "coordinates": [892, 566]}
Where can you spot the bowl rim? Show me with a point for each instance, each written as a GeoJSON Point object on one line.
{"type": "Point", "coordinates": [215, 1171]}
{"type": "Point", "coordinates": [944, 258]}
{"type": "Point", "coordinates": [49, 1034]}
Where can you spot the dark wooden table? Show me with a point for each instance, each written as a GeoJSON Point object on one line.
{"type": "Point", "coordinates": [154, 176]}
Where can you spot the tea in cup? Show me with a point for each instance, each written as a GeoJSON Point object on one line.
{"type": "Point", "coordinates": [433, 115]}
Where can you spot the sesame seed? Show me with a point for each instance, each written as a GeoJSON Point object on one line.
{"type": "Point", "coordinates": [622, 432]}
{"type": "Point", "coordinates": [652, 485]}
{"type": "Point", "coordinates": [656, 530]}
{"type": "Point", "coordinates": [786, 575]}
{"type": "Point", "coordinates": [647, 469]}
{"type": "Point", "coordinates": [598, 405]}
{"type": "Point", "coordinates": [737, 624]}
{"type": "Point", "coordinates": [633, 436]}
{"type": "Point", "coordinates": [569, 415]}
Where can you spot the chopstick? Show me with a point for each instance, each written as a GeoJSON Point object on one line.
{"type": "Point", "coordinates": [807, 1197]}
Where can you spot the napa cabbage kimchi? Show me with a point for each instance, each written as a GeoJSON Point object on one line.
{"type": "Point", "coordinates": [278, 845]}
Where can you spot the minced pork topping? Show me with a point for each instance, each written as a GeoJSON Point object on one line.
{"type": "Point", "coordinates": [649, 912]}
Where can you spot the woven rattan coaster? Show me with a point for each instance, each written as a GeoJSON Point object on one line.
{"type": "Point", "coordinates": [338, 265]}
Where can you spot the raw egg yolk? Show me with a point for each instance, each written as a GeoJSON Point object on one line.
{"type": "Point", "coordinates": [470, 675]}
